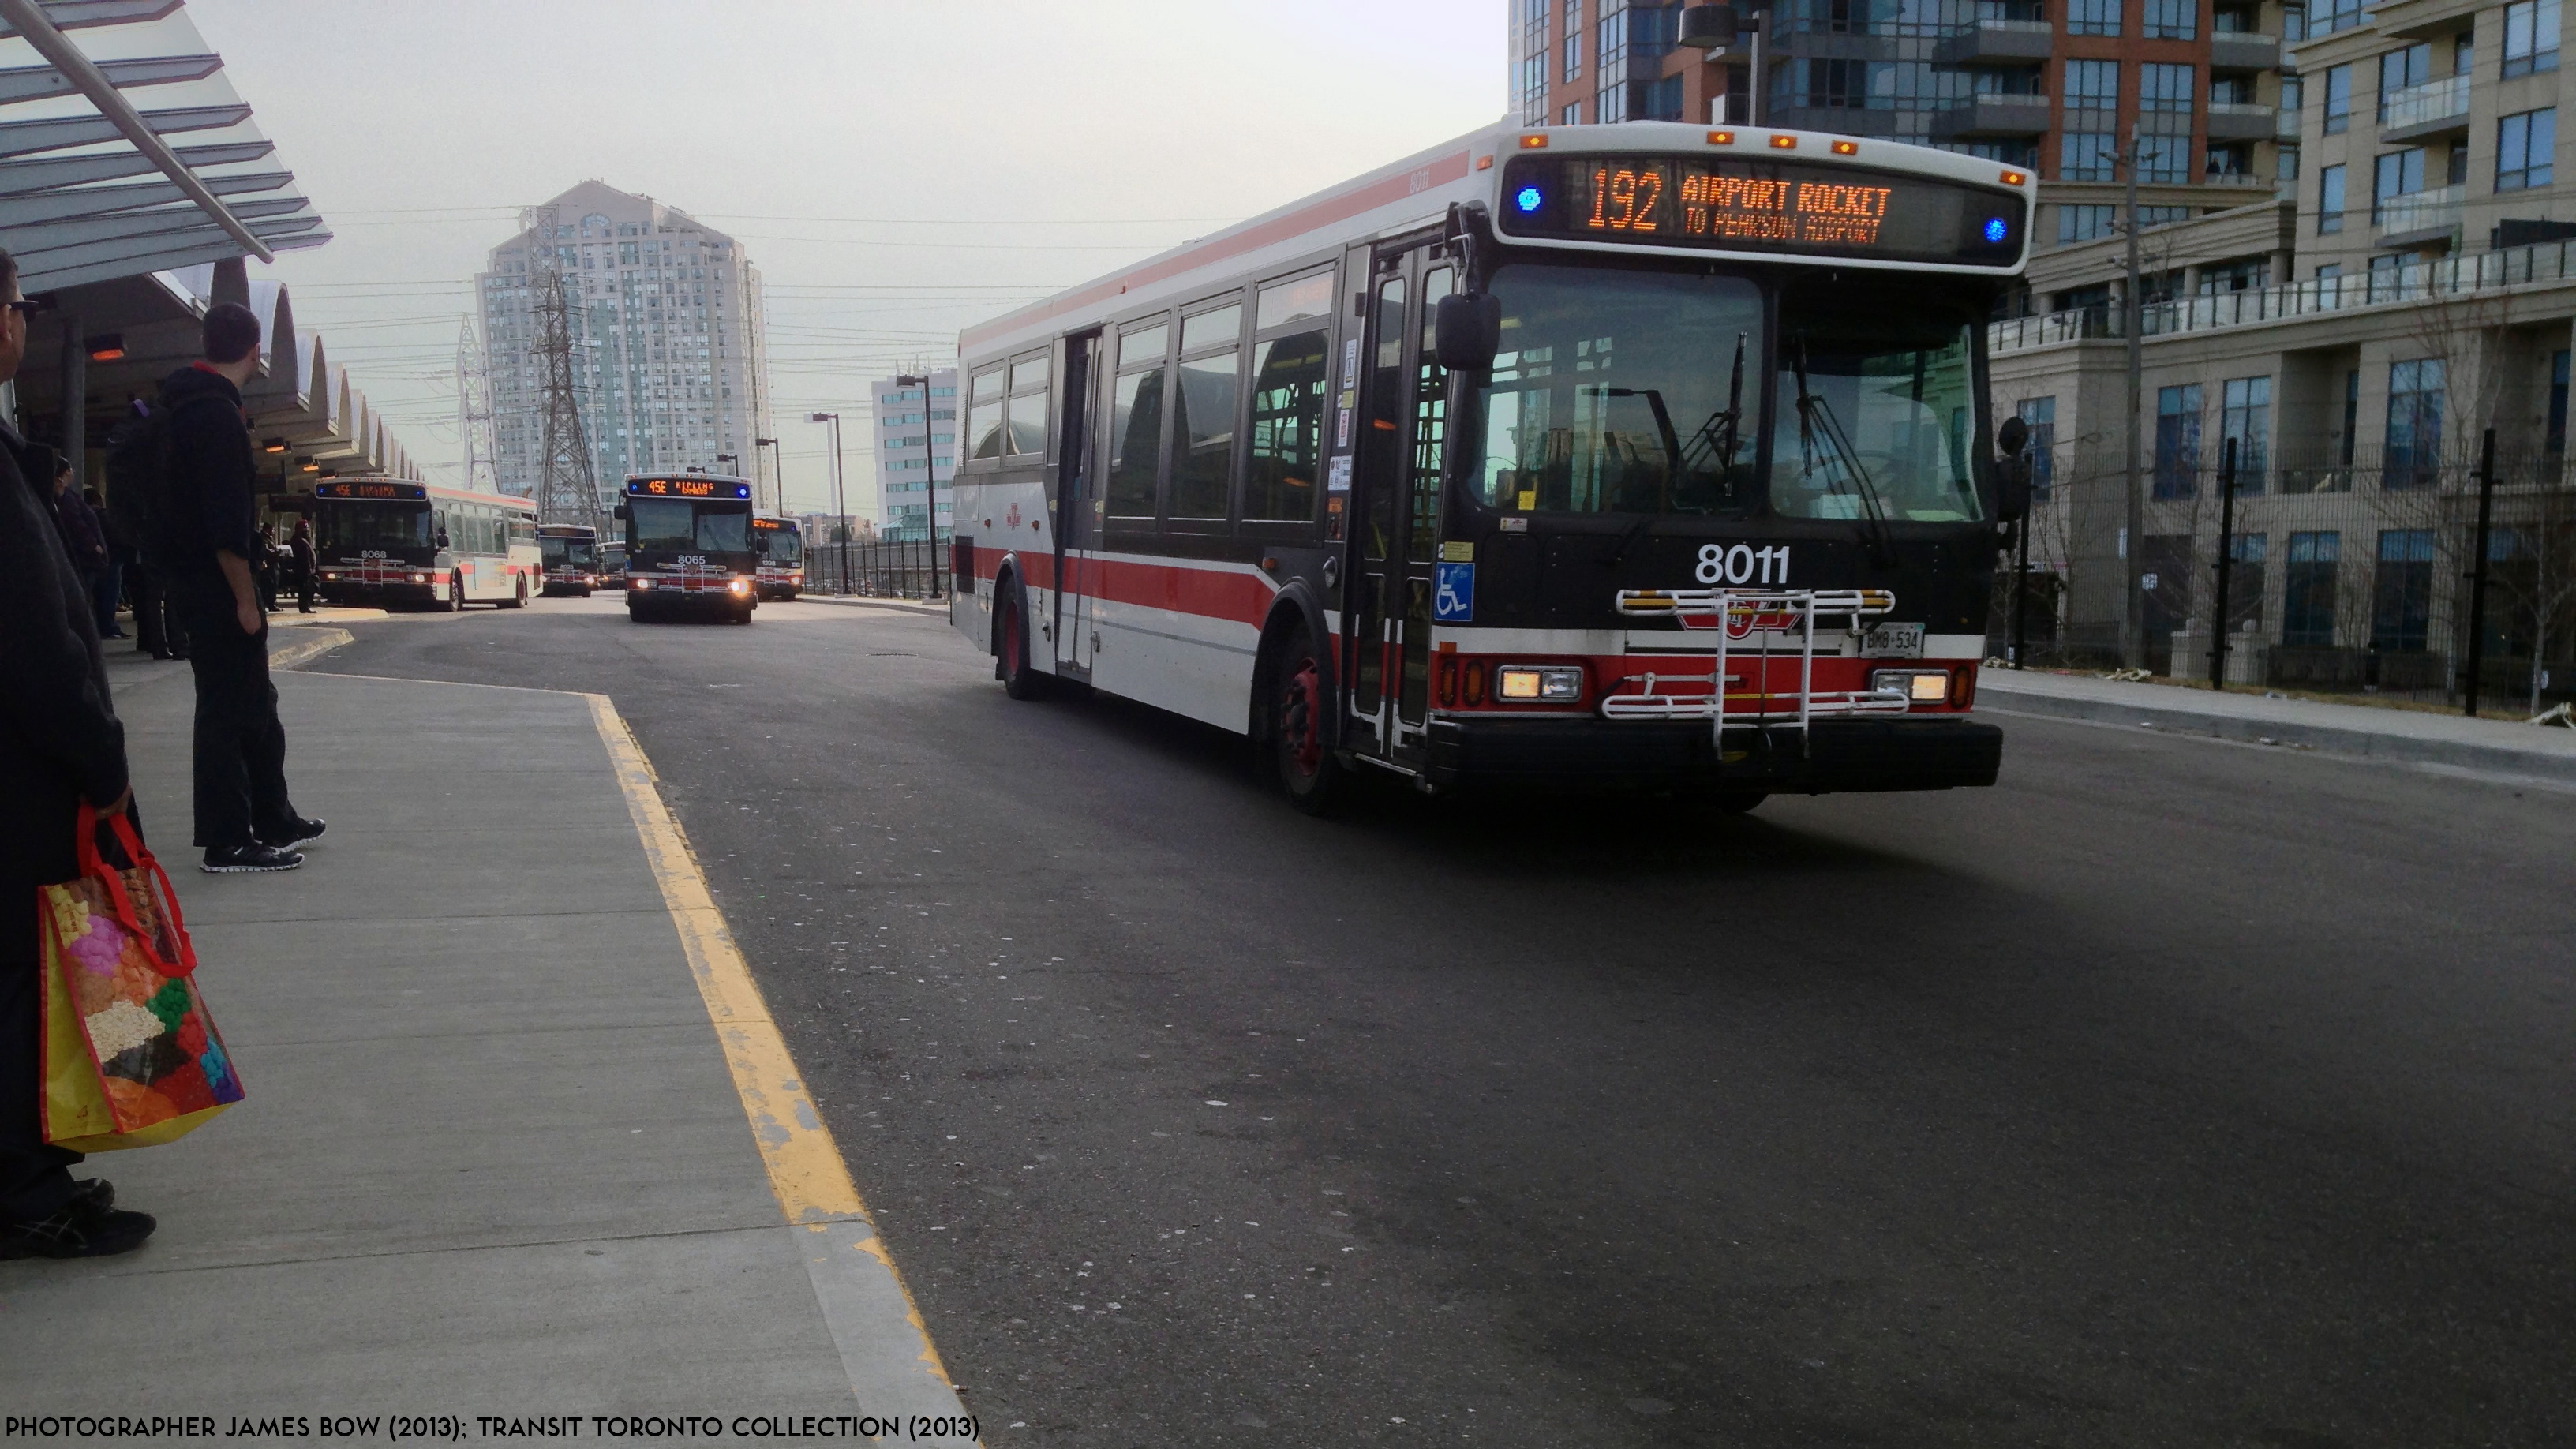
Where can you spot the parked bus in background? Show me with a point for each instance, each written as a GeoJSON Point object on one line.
{"type": "Point", "coordinates": [688, 547]}
{"type": "Point", "coordinates": [571, 555]}
{"type": "Point", "coordinates": [385, 542]}
{"type": "Point", "coordinates": [612, 565]}
{"type": "Point", "coordinates": [1643, 456]}
{"type": "Point", "coordinates": [779, 544]}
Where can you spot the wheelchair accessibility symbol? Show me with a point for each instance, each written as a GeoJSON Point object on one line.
{"type": "Point", "coordinates": [1453, 598]}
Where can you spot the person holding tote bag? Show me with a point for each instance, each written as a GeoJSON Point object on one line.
{"type": "Point", "coordinates": [61, 745]}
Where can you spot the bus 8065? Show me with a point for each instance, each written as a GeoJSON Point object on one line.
{"type": "Point", "coordinates": [389, 541]}
{"type": "Point", "coordinates": [1624, 456]}
{"type": "Point", "coordinates": [688, 547]}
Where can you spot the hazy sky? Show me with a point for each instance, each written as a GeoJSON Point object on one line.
{"type": "Point", "coordinates": [895, 170]}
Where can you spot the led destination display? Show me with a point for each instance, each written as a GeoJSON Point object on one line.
{"type": "Point", "coordinates": [1749, 204]}
{"type": "Point", "coordinates": [370, 490]}
{"type": "Point", "coordinates": [686, 488]}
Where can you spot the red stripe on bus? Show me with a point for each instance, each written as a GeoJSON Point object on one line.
{"type": "Point", "coordinates": [1323, 213]}
{"type": "Point", "coordinates": [1226, 594]}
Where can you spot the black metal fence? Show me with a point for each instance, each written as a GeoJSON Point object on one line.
{"type": "Point", "coordinates": [877, 568]}
{"type": "Point", "coordinates": [2360, 576]}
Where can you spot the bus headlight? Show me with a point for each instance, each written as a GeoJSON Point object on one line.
{"type": "Point", "coordinates": [639, 583]}
{"type": "Point", "coordinates": [1549, 684]}
{"type": "Point", "coordinates": [737, 586]}
{"type": "Point", "coordinates": [1919, 686]}
{"type": "Point", "coordinates": [420, 578]}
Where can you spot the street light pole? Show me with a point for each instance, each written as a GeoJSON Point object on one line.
{"type": "Point", "coordinates": [930, 462]}
{"type": "Point", "coordinates": [778, 470]}
{"type": "Point", "coordinates": [840, 499]}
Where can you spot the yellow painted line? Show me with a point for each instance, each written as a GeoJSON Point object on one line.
{"type": "Point", "coordinates": [806, 1172]}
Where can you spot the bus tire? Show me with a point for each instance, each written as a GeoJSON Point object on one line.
{"type": "Point", "coordinates": [1020, 679]}
{"type": "Point", "coordinates": [456, 593]}
{"type": "Point", "coordinates": [1301, 693]}
{"type": "Point", "coordinates": [520, 600]}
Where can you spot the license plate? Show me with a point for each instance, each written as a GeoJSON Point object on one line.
{"type": "Point", "coordinates": [1893, 641]}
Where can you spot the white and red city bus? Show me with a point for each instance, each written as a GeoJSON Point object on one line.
{"type": "Point", "coordinates": [386, 541]}
{"type": "Point", "coordinates": [779, 544]}
{"type": "Point", "coordinates": [1492, 464]}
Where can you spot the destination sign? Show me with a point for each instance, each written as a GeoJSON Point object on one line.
{"type": "Point", "coordinates": [786, 523]}
{"type": "Point", "coordinates": [370, 490]}
{"type": "Point", "coordinates": [1757, 204]}
{"type": "Point", "coordinates": [687, 488]}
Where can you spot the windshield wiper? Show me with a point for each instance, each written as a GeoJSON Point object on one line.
{"type": "Point", "coordinates": [1816, 419]}
{"type": "Point", "coordinates": [1672, 469]}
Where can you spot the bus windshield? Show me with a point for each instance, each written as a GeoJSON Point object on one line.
{"type": "Point", "coordinates": [781, 545]}
{"type": "Point", "coordinates": [1876, 406]}
{"type": "Point", "coordinates": [1619, 392]}
{"type": "Point", "coordinates": [677, 525]}
{"type": "Point", "coordinates": [351, 529]}
{"type": "Point", "coordinates": [567, 552]}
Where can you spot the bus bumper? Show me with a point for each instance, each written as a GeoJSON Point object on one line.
{"type": "Point", "coordinates": [377, 596]}
{"type": "Point", "coordinates": [1938, 752]}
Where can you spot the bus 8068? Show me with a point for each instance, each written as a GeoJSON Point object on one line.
{"type": "Point", "coordinates": [388, 541]}
{"type": "Point", "coordinates": [1627, 456]}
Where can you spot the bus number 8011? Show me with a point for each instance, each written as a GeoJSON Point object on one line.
{"type": "Point", "coordinates": [1719, 564]}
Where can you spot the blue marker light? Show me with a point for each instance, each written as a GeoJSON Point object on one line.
{"type": "Point", "coordinates": [1995, 229]}
{"type": "Point", "coordinates": [1527, 199]}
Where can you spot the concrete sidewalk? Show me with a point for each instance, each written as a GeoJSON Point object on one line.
{"type": "Point", "coordinates": [2402, 736]}
{"type": "Point", "coordinates": [493, 1160]}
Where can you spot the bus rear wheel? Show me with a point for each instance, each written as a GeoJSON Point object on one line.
{"type": "Point", "coordinates": [520, 599]}
{"type": "Point", "coordinates": [1011, 647]}
{"type": "Point", "coordinates": [1300, 700]}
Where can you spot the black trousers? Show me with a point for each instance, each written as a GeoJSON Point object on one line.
{"type": "Point", "coordinates": [157, 628]}
{"type": "Point", "coordinates": [34, 1180]}
{"type": "Point", "coordinates": [240, 745]}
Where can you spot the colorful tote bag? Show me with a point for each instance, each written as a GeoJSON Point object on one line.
{"type": "Point", "coordinates": [131, 1058]}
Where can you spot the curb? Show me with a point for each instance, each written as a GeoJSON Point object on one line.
{"type": "Point", "coordinates": [852, 601]}
{"type": "Point", "coordinates": [2364, 744]}
{"type": "Point", "coordinates": [317, 639]}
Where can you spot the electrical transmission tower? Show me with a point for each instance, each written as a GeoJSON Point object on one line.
{"type": "Point", "coordinates": [567, 489]}
{"type": "Point", "coordinates": [474, 429]}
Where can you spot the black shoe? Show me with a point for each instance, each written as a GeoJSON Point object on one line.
{"type": "Point", "coordinates": [83, 1229]}
{"type": "Point", "coordinates": [243, 859]}
{"type": "Point", "coordinates": [297, 834]}
{"type": "Point", "coordinates": [98, 1192]}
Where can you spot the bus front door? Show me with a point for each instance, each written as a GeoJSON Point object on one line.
{"type": "Point", "coordinates": [1396, 523]}
{"type": "Point", "coordinates": [1077, 519]}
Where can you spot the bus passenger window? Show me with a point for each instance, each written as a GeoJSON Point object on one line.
{"type": "Point", "coordinates": [983, 415]}
{"type": "Point", "coordinates": [1430, 424]}
{"type": "Point", "coordinates": [1378, 455]}
{"type": "Point", "coordinates": [1025, 424]}
{"type": "Point", "coordinates": [1136, 423]}
{"type": "Point", "coordinates": [1287, 439]}
{"type": "Point", "coordinates": [1203, 415]}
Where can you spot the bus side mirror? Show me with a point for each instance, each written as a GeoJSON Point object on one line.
{"type": "Point", "coordinates": [619, 512]}
{"type": "Point", "coordinates": [2012, 472]}
{"type": "Point", "coordinates": [1467, 330]}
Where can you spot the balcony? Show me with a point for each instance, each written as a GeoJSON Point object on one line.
{"type": "Point", "coordinates": [2426, 110]}
{"type": "Point", "coordinates": [1996, 42]}
{"type": "Point", "coordinates": [2417, 216]}
{"type": "Point", "coordinates": [1992, 116]}
{"type": "Point", "coordinates": [2235, 121]}
{"type": "Point", "coordinates": [2243, 50]}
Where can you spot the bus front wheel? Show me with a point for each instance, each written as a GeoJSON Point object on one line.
{"type": "Point", "coordinates": [1011, 647]}
{"type": "Point", "coordinates": [456, 593]}
{"type": "Point", "coordinates": [1301, 693]}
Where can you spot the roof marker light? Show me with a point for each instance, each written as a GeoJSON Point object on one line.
{"type": "Point", "coordinates": [1784, 143]}
{"type": "Point", "coordinates": [1484, 163]}
{"type": "Point", "coordinates": [1721, 138]}
{"type": "Point", "coordinates": [2016, 178]}
{"type": "Point", "coordinates": [1846, 148]}
{"type": "Point", "coordinates": [1533, 142]}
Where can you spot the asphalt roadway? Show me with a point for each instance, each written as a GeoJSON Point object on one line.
{"type": "Point", "coordinates": [2171, 1092]}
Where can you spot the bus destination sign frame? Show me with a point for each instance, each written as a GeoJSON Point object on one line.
{"type": "Point", "coordinates": [722, 490]}
{"type": "Point", "coordinates": [398, 492]}
{"type": "Point", "coordinates": [1759, 204]}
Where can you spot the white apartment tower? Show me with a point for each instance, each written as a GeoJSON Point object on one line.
{"type": "Point", "coordinates": [916, 440]}
{"type": "Point", "coordinates": [668, 347]}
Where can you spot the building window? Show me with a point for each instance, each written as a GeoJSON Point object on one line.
{"type": "Point", "coordinates": [1572, 115]}
{"type": "Point", "coordinates": [2093, 17]}
{"type": "Point", "coordinates": [2414, 448]}
{"type": "Point", "coordinates": [2338, 99]}
{"type": "Point", "coordinates": [2039, 414]}
{"type": "Point", "coordinates": [2402, 594]}
{"type": "Point", "coordinates": [2086, 156]}
{"type": "Point", "coordinates": [2083, 223]}
{"type": "Point", "coordinates": [2525, 147]}
{"type": "Point", "coordinates": [2328, 16]}
{"type": "Point", "coordinates": [2164, 159]}
{"type": "Point", "coordinates": [2555, 439]}
{"type": "Point", "coordinates": [1573, 58]}
{"type": "Point", "coordinates": [2092, 85]}
{"type": "Point", "coordinates": [2172, 19]}
{"type": "Point", "coordinates": [2395, 174]}
{"type": "Point", "coordinates": [1658, 100]}
{"type": "Point", "coordinates": [2151, 217]}
{"type": "Point", "coordinates": [2245, 419]}
{"type": "Point", "coordinates": [2399, 69]}
{"type": "Point", "coordinates": [2177, 441]}
{"type": "Point", "coordinates": [2308, 591]}
{"type": "Point", "coordinates": [2530, 37]}
{"type": "Point", "coordinates": [1612, 55]}
{"type": "Point", "coordinates": [1611, 106]}
{"type": "Point", "coordinates": [2163, 87]}
{"type": "Point", "coordinates": [2285, 162]}
{"type": "Point", "coordinates": [2329, 200]}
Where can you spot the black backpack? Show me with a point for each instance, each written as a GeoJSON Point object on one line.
{"type": "Point", "coordinates": [138, 475]}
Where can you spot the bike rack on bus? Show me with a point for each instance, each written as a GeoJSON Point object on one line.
{"type": "Point", "coordinates": [1759, 617]}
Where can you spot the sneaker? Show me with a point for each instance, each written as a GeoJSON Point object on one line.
{"type": "Point", "coordinates": [83, 1229]}
{"type": "Point", "coordinates": [243, 859]}
{"type": "Point", "coordinates": [298, 833]}
{"type": "Point", "coordinates": [98, 1192]}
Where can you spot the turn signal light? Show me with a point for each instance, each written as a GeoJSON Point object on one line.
{"type": "Point", "coordinates": [1551, 683]}
{"type": "Point", "coordinates": [1919, 686]}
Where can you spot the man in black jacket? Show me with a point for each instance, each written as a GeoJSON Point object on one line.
{"type": "Point", "coordinates": [208, 520]}
{"type": "Point", "coordinates": [60, 744]}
